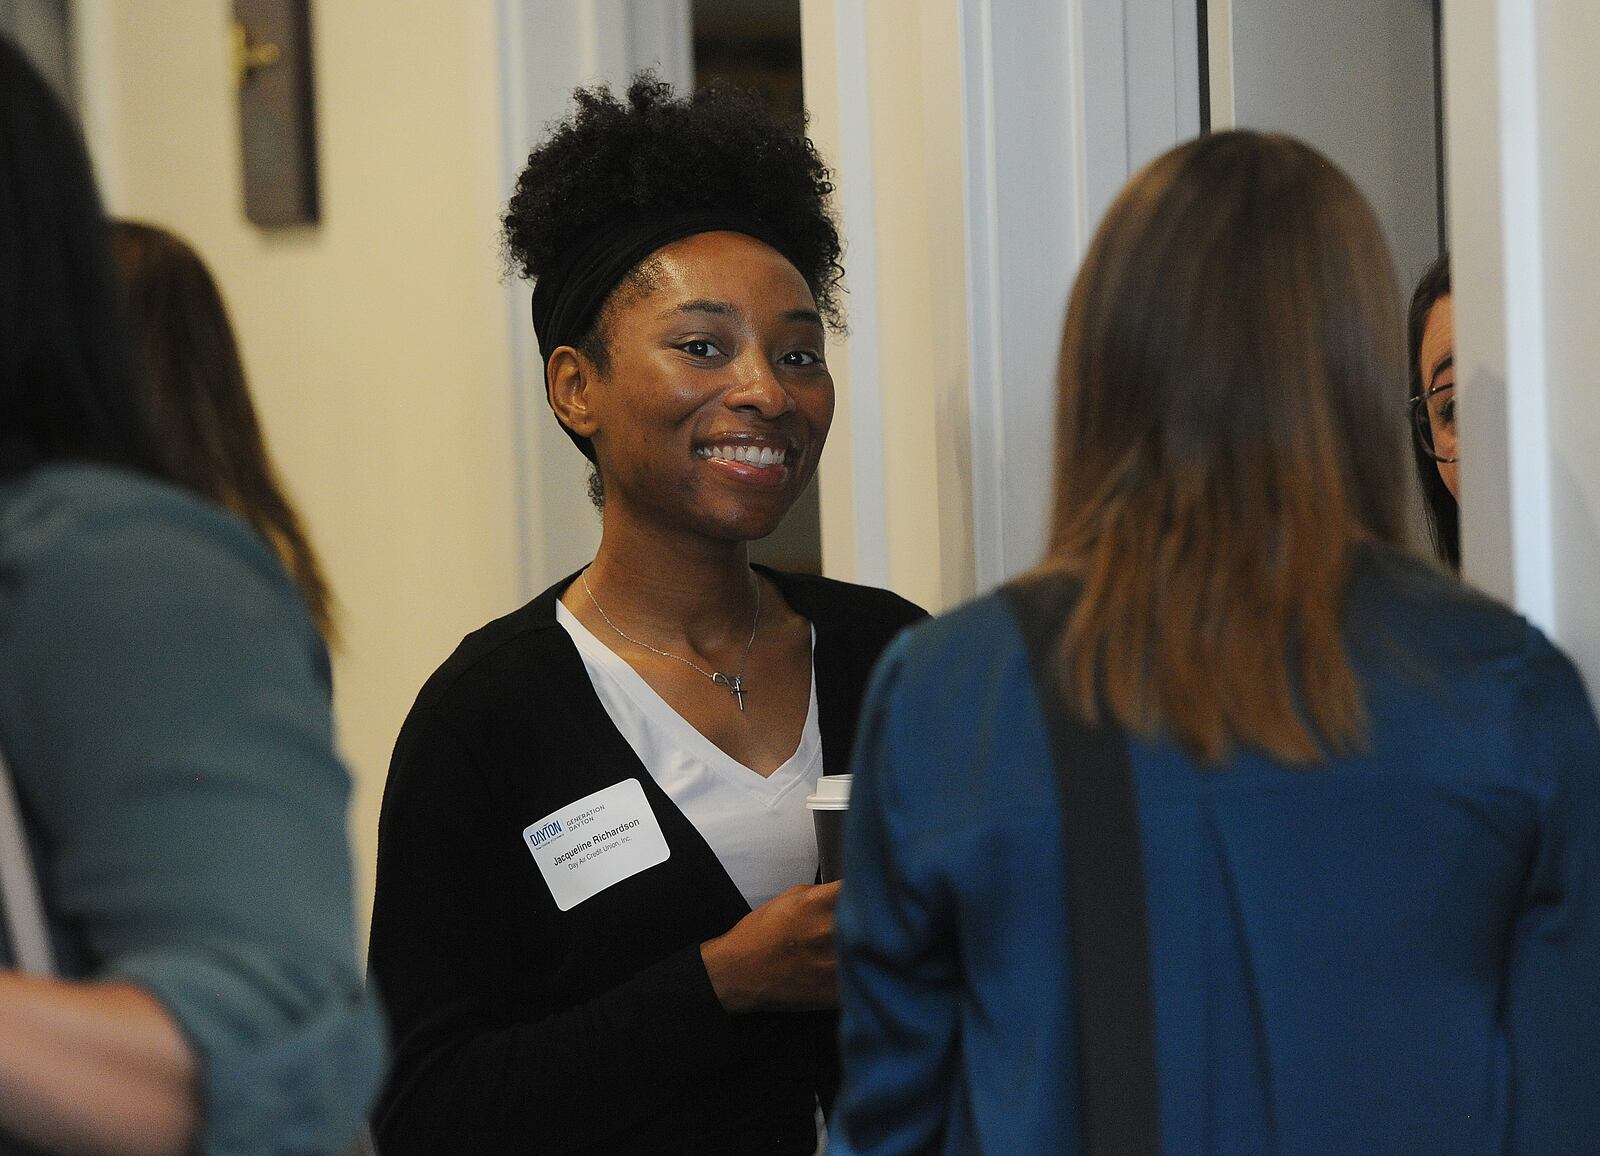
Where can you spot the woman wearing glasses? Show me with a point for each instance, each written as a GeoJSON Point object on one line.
{"type": "Point", "coordinates": [1431, 330]}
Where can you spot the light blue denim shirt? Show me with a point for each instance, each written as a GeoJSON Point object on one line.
{"type": "Point", "coordinates": [164, 706]}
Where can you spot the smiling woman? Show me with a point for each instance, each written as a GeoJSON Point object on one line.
{"type": "Point", "coordinates": [720, 384]}
{"type": "Point", "coordinates": [597, 890]}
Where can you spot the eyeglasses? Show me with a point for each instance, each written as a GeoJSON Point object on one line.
{"type": "Point", "coordinates": [1433, 421]}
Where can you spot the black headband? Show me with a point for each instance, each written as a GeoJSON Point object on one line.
{"type": "Point", "coordinates": [568, 297]}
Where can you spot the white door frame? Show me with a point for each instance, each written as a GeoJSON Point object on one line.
{"type": "Point", "coordinates": [1492, 91]}
{"type": "Point", "coordinates": [1064, 102]}
{"type": "Point", "coordinates": [548, 48]}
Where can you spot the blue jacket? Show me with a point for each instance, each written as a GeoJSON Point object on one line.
{"type": "Point", "coordinates": [164, 708]}
{"type": "Point", "coordinates": [1394, 952]}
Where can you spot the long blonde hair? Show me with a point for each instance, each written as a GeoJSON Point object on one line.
{"type": "Point", "coordinates": [1227, 437]}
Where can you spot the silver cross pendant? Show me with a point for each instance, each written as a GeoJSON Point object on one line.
{"type": "Point", "coordinates": [735, 686]}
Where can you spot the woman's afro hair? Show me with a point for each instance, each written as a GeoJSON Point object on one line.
{"type": "Point", "coordinates": [653, 153]}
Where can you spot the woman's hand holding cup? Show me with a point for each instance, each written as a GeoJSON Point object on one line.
{"type": "Point", "coordinates": [780, 956]}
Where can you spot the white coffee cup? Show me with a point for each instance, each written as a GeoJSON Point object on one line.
{"type": "Point", "coordinates": [828, 806]}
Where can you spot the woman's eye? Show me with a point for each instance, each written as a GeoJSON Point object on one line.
{"type": "Point", "coordinates": [700, 347]}
{"type": "Point", "coordinates": [803, 358]}
{"type": "Point", "coordinates": [1447, 411]}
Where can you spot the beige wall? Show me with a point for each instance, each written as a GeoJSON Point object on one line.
{"type": "Point", "coordinates": [917, 126]}
{"type": "Point", "coordinates": [904, 390]}
{"type": "Point", "coordinates": [376, 341]}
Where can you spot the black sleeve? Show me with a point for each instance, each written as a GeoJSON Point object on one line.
{"type": "Point", "coordinates": [479, 1068]}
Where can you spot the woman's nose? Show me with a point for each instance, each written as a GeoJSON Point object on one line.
{"type": "Point", "coordinates": [759, 389]}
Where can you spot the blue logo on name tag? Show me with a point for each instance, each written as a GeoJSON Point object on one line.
{"type": "Point", "coordinates": [544, 834]}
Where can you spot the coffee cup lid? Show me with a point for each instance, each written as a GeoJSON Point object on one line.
{"type": "Point", "coordinates": [833, 794]}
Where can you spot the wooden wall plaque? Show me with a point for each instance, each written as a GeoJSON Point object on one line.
{"type": "Point", "coordinates": [277, 116]}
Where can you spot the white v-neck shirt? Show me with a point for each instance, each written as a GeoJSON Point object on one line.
{"type": "Point", "coordinates": [757, 826]}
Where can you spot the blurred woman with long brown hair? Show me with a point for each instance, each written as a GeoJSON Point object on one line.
{"type": "Point", "coordinates": [199, 401]}
{"type": "Point", "coordinates": [1353, 806]}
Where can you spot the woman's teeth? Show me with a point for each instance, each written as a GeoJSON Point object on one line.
{"type": "Point", "coordinates": [761, 456]}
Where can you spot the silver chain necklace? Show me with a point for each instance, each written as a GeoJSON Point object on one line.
{"type": "Point", "coordinates": [735, 685]}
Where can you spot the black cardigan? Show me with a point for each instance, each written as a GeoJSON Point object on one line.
{"type": "Point", "coordinates": [522, 1028]}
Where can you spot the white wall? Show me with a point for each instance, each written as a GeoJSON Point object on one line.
{"type": "Point", "coordinates": [1522, 100]}
{"type": "Point", "coordinates": [883, 86]}
{"type": "Point", "coordinates": [1355, 78]}
{"type": "Point", "coordinates": [1569, 45]}
{"type": "Point", "coordinates": [850, 478]}
{"type": "Point", "coordinates": [376, 342]}
{"type": "Point", "coordinates": [1064, 102]}
{"type": "Point", "coordinates": [976, 145]}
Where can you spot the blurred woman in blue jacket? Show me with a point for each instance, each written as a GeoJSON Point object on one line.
{"type": "Point", "coordinates": [1367, 797]}
{"type": "Point", "coordinates": [165, 716]}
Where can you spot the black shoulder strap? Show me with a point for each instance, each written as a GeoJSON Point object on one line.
{"type": "Point", "coordinates": [1105, 882]}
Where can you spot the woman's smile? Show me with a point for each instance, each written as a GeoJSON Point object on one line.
{"type": "Point", "coordinates": [749, 462]}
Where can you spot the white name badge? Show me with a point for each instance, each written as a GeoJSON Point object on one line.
{"type": "Point", "coordinates": [595, 842]}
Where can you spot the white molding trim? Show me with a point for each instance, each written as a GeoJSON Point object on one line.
{"type": "Point", "coordinates": [516, 132]}
{"type": "Point", "coordinates": [856, 198]}
{"type": "Point", "coordinates": [985, 403]}
{"type": "Point", "coordinates": [1497, 273]}
{"type": "Point", "coordinates": [1526, 411]}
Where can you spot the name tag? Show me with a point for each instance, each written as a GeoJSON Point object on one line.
{"type": "Point", "coordinates": [596, 842]}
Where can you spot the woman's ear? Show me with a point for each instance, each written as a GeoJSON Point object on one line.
{"type": "Point", "coordinates": [568, 378]}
